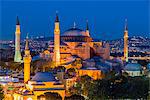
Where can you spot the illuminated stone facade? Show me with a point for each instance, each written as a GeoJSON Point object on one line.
{"type": "Point", "coordinates": [92, 72]}
{"type": "Point", "coordinates": [41, 83]}
{"type": "Point", "coordinates": [76, 42]}
{"type": "Point", "coordinates": [74, 45]}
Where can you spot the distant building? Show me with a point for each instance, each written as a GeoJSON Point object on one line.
{"type": "Point", "coordinates": [41, 83]}
{"type": "Point", "coordinates": [67, 49]}
{"type": "Point", "coordinates": [133, 69]}
{"type": "Point", "coordinates": [75, 42]}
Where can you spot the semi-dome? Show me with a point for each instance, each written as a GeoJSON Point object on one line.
{"type": "Point", "coordinates": [74, 32]}
{"type": "Point", "coordinates": [133, 67]}
{"type": "Point", "coordinates": [43, 77]}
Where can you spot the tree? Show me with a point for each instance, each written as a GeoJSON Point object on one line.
{"type": "Point", "coordinates": [2, 64]}
{"type": "Point", "coordinates": [119, 87]}
{"type": "Point", "coordinates": [82, 86]}
{"type": "Point", "coordinates": [52, 96]}
{"type": "Point", "coordinates": [110, 75]}
{"type": "Point", "coordinates": [59, 69]}
{"type": "Point", "coordinates": [42, 65]}
{"type": "Point", "coordinates": [14, 65]}
{"type": "Point", "coordinates": [41, 97]}
{"type": "Point", "coordinates": [143, 62]}
{"type": "Point", "coordinates": [75, 97]}
{"type": "Point", "coordinates": [71, 72]}
{"type": "Point", "coordinates": [114, 86]}
{"type": "Point", "coordinates": [99, 90]}
{"type": "Point", "coordinates": [77, 61]}
{"type": "Point", "coordinates": [138, 87]}
{"type": "Point", "coordinates": [1, 93]}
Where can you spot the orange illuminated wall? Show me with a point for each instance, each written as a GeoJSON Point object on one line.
{"type": "Point", "coordinates": [95, 74]}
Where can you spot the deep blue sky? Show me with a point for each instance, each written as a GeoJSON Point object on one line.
{"type": "Point", "coordinates": [106, 17]}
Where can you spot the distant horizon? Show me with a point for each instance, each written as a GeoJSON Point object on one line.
{"type": "Point", "coordinates": [22, 39]}
{"type": "Point", "coordinates": [106, 18]}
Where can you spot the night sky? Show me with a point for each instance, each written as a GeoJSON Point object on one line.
{"type": "Point", "coordinates": [106, 17]}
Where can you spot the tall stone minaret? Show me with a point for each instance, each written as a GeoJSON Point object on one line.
{"type": "Point", "coordinates": [87, 29]}
{"type": "Point", "coordinates": [126, 42]}
{"type": "Point", "coordinates": [57, 41]}
{"type": "Point", "coordinates": [17, 42]}
{"type": "Point", "coordinates": [27, 60]}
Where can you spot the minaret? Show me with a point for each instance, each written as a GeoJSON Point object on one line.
{"type": "Point", "coordinates": [87, 29]}
{"type": "Point", "coordinates": [27, 60]}
{"type": "Point", "coordinates": [126, 42]}
{"type": "Point", "coordinates": [57, 41]}
{"type": "Point", "coordinates": [74, 24]}
{"type": "Point", "coordinates": [17, 42]}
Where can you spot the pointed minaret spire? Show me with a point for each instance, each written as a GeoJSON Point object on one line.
{"type": "Point", "coordinates": [17, 21]}
{"type": "Point", "coordinates": [87, 29]}
{"type": "Point", "coordinates": [57, 19]}
{"type": "Point", "coordinates": [74, 24]}
{"type": "Point", "coordinates": [126, 25]}
{"type": "Point", "coordinates": [87, 26]}
{"type": "Point", "coordinates": [126, 42]}
{"type": "Point", "coordinates": [27, 43]}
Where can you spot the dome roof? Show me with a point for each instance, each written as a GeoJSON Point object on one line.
{"type": "Point", "coordinates": [133, 67]}
{"type": "Point", "coordinates": [74, 32]}
{"type": "Point", "coordinates": [43, 77]}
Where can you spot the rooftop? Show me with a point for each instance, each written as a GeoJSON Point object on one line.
{"type": "Point", "coordinates": [43, 77]}
{"type": "Point", "coordinates": [133, 67]}
{"type": "Point", "coordinates": [74, 32]}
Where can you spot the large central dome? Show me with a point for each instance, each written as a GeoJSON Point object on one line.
{"type": "Point", "coordinates": [74, 32]}
{"type": "Point", "coordinates": [75, 35]}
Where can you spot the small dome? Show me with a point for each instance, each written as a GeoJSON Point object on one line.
{"type": "Point", "coordinates": [74, 32]}
{"type": "Point", "coordinates": [133, 67]}
{"type": "Point", "coordinates": [43, 77]}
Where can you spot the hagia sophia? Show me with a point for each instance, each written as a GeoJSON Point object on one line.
{"type": "Point", "coordinates": [73, 44]}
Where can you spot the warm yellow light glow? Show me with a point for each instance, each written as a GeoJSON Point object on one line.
{"type": "Point", "coordinates": [29, 99]}
{"type": "Point", "coordinates": [57, 44]}
{"type": "Point", "coordinates": [27, 60]}
{"type": "Point", "coordinates": [126, 46]}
